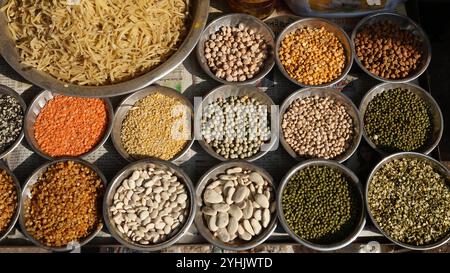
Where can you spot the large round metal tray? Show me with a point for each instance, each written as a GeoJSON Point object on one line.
{"type": "Point", "coordinates": [199, 14]}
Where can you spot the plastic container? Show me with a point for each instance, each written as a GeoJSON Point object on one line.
{"type": "Point", "coordinates": [340, 8]}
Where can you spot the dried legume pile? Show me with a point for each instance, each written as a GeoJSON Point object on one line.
{"type": "Point", "coordinates": [388, 51]}
{"type": "Point", "coordinates": [398, 120]}
{"type": "Point", "coordinates": [65, 204]}
{"type": "Point", "coordinates": [317, 127]}
{"type": "Point", "coordinates": [70, 126]}
{"type": "Point", "coordinates": [235, 127]}
{"type": "Point", "coordinates": [238, 203]}
{"type": "Point", "coordinates": [156, 126]}
{"type": "Point", "coordinates": [150, 206]}
{"type": "Point", "coordinates": [312, 56]}
{"type": "Point", "coordinates": [320, 205]}
{"type": "Point", "coordinates": [236, 54]}
{"type": "Point", "coordinates": [11, 121]}
{"type": "Point", "coordinates": [8, 200]}
{"type": "Point", "coordinates": [410, 201]}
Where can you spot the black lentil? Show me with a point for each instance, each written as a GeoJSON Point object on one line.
{"type": "Point", "coordinates": [320, 205]}
{"type": "Point", "coordinates": [410, 201]}
{"type": "Point", "coordinates": [11, 121]}
{"type": "Point", "coordinates": [398, 120]}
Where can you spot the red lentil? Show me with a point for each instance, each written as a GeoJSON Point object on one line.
{"type": "Point", "coordinates": [70, 126]}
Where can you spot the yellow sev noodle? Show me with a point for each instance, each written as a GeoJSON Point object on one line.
{"type": "Point", "coordinates": [96, 42]}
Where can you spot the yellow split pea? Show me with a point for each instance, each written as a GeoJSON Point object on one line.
{"type": "Point", "coordinates": [156, 126]}
{"type": "Point", "coordinates": [312, 56]}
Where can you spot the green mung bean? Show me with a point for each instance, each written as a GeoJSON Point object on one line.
{"type": "Point", "coordinates": [410, 201]}
{"type": "Point", "coordinates": [320, 205]}
{"type": "Point", "coordinates": [398, 120]}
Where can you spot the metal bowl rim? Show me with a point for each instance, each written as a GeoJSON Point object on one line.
{"type": "Point", "coordinates": [268, 64]}
{"type": "Point", "coordinates": [202, 183]}
{"type": "Point", "coordinates": [42, 168]}
{"type": "Point", "coordinates": [351, 179]}
{"type": "Point", "coordinates": [426, 43]}
{"type": "Point", "coordinates": [10, 92]}
{"type": "Point", "coordinates": [36, 149]}
{"type": "Point", "coordinates": [186, 225]}
{"type": "Point", "coordinates": [117, 143]}
{"type": "Point", "coordinates": [285, 106]}
{"type": "Point", "coordinates": [350, 54]}
{"type": "Point", "coordinates": [380, 164]}
{"type": "Point", "coordinates": [406, 85]}
{"type": "Point", "coordinates": [205, 146]}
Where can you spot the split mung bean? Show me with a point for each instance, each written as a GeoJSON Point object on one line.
{"type": "Point", "coordinates": [235, 127]}
{"type": "Point", "coordinates": [238, 205]}
{"type": "Point", "coordinates": [410, 201]}
{"type": "Point", "coordinates": [317, 127]}
{"type": "Point", "coordinates": [8, 200]}
{"type": "Point", "coordinates": [398, 120]}
{"type": "Point", "coordinates": [150, 206]}
{"type": "Point", "coordinates": [236, 53]}
{"type": "Point", "coordinates": [312, 56]}
{"type": "Point", "coordinates": [65, 204]}
{"type": "Point", "coordinates": [11, 121]}
{"type": "Point", "coordinates": [157, 126]}
{"type": "Point", "coordinates": [320, 205]}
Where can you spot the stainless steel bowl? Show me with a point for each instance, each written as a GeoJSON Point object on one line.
{"type": "Point", "coordinates": [125, 173]}
{"type": "Point", "coordinates": [226, 91]}
{"type": "Point", "coordinates": [351, 178]}
{"type": "Point", "coordinates": [234, 20]}
{"type": "Point", "coordinates": [199, 14]}
{"type": "Point", "coordinates": [26, 193]}
{"type": "Point", "coordinates": [128, 103]}
{"type": "Point", "coordinates": [13, 220]}
{"type": "Point", "coordinates": [4, 90]}
{"type": "Point", "coordinates": [337, 96]}
{"type": "Point", "coordinates": [200, 223]}
{"type": "Point", "coordinates": [436, 114]}
{"type": "Point", "coordinates": [33, 112]}
{"type": "Point", "coordinates": [436, 165]}
{"type": "Point", "coordinates": [405, 23]}
{"type": "Point", "coordinates": [317, 23]}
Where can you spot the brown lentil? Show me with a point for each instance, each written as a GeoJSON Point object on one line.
{"type": "Point", "coordinates": [70, 126]}
{"type": "Point", "coordinates": [388, 51]}
{"type": "Point", "coordinates": [8, 200]}
{"type": "Point", "coordinates": [410, 201]}
{"type": "Point", "coordinates": [147, 130]}
{"type": "Point", "coordinates": [312, 56]}
{"type": "Point", "coordinates": [317, 127]}
{"type": "Point", "coordinates": [65, 204]}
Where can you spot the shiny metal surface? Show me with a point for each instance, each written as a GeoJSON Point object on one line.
{"type": "Point", "coordinates": [436, 114]}
{"type": "Point", "coordinates": [199, 15]}
{"type": "Point", "coordinates": [225, 91]}
{"type": "Point", "coordinates": [127, 104]}
{"type": "Point", "coordinates": [34, 110]}
{"type": "Point", "coordinates": [405, 23]}
{"type": "Point", "coordinates": [125, 173]}
{"type": "Point", "coordinates": [13, 221]}
{"type": "Point", "coordinates": [337, 96]}
{"type": "Point", "coordinates": [26, 193]}
{"type": "Point", "coordinates": [4, 90]}
{"type": "Point", "coordinates": [317, 23]}
{"type": "Point", "coordinates": [234, 20]}
{"type": "Point", "coordinates": [436, 165]}
{"type": "Point", "coordinates": [238, 245]}
{"type": "Point", "coordinates": [351, 178]}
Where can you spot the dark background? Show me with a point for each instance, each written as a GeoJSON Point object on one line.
{"type": "Point", "coordinates": [434, 16]}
